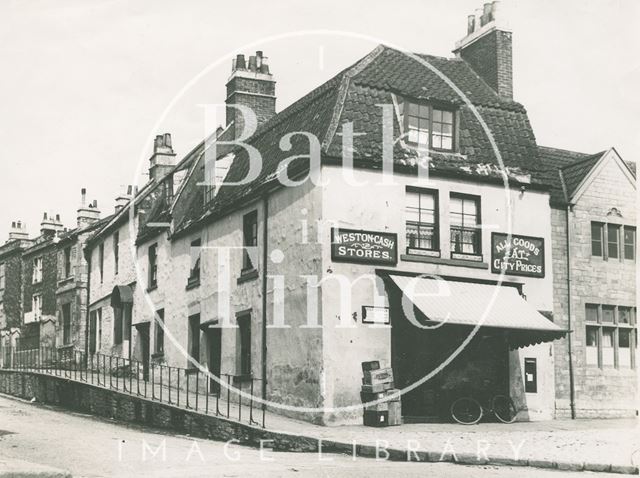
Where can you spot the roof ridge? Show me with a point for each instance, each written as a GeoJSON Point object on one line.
{"type": "Point", "coordinates": [581, 161]}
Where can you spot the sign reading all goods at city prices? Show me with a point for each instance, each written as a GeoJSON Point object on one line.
{"type": "Point", "coordinates": [369, 247]}
{"type": "Point", "coordinates": [517, 255]}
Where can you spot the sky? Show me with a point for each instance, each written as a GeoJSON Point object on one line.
{"type": "Point", "coordinates": [86, 84]}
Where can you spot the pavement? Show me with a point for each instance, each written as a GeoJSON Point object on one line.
{"type": "Point", "coordinates": [593, 445]}
{"type": "Point", "coordinates": [43, 439]}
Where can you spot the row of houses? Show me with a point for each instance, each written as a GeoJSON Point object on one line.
{"type": "Point", "coordinates": [297, 282]}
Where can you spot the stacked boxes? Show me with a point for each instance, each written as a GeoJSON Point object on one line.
{"type": "Point", "coordinates": [377, 385]}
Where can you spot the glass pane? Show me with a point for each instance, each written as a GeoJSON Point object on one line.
{"type": "Point", "coordinates": [607, 313]}
{"type": "Point", "coordinates": [592, 337]}
{"type": "Point", "coordinates": [624, 338]}
{"type": "Point", "coordinates": [437, 127]}
{"type": "Point", "coordinates": [456, 219]}
{"type": "Point", "coordinates": [413, 199]}
{"type": "Point", "coordinates": [447, 117]}
{"type": "Point", "coordinates": [413, 136]}
{"type": "Point", "coordinates": [437, 141]}
{"type": "Point", "coordinates": [591, 313]}
{"type": "Point", "coordinates": [456, 205]}
{"type": "Point", "coordinates": [470, 207]}
{"type": "Point", "coordinates": [607, 338]}
{"type": "Point", "coordinates": [447, 142]}
{"type": "Point", "coordinates": [427, 216]}
{"type": "Point", "coordinates": [414, 109]}
{"type": "Point", "coordinates": [414, 122]}
{"type": "Point", "coordinates": [423, 138]}
{"type": "Point", "coordinates": [437, 115]}
{"type": "Point", "coordinates": [413, 215]}
{"type": "Point", "coordinates": [423, 111]}
{"type": "Point", "coordinates": [427, 201]}
{"type": "Point", "coordinates": [447, 129]}
{"type": "Point", "coordinates": [612, 231]}
{"type": "Point", "coordinates": [624, 315]}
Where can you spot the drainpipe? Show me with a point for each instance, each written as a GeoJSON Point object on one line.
{"type": "Point", "coordinates": [87, 322]}
{"type": "Point", "coordinates": [572, 391]}
{"type": "Point", "coordinates": [265, 215]}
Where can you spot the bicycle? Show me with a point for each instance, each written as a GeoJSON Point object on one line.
{"type": "Point", "coordinates": [469, 411]}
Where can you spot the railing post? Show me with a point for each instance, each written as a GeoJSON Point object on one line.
{"type": "Point", "coordinates": [160, 383]}
{"type": "Point", "coordinates": [178, 387]}
{"type": "Point", "coordinates": [187, 373]}
{"type": "Point", "coordinates": [207, 384]}
{"type": "Point", "coordinates": [169, 380]}
{"type": "Point", "coordinates": [228, 394]}
{"type": "Point", "coordinates": [240, 400]}
{"type": "Point", "coordinates": [197, 387]}
{"type": "Point", "coordinates": [153, 382]}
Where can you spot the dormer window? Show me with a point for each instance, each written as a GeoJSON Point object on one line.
{"type": "Point", "coordinates": [428, 126]}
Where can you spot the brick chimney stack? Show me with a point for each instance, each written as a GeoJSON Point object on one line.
{"type": "Point", "coordinates": [18, 231]}
{"type": "Point", "coordinates": [487, 48]}
{"type": "Point", "coordinates": [251, 85]}
{"type": "Point", "coordinates": [87, 213]}
{"type": "Point", "coordinates": [50, 224]}
{"type": "Point", "coordinates": [163, 159]}
{"type": "Point", "coordinates": [124, 197]}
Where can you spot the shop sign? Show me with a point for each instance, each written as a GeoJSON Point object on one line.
{"type": "Point", "coordinates": [368, 247]}
{"type": "Point", "coordinates": [517, 255]}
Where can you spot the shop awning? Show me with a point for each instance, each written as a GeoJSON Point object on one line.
{"type": "Point", "coordinates": [471, 304]}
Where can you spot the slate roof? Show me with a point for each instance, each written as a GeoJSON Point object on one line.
{"type": "Point", "coordinates": [565, 171]}
{"type": "Point", "coordinates": [381, 77]}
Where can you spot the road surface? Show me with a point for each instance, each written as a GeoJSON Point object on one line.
{"type": "Point", "coordinates": [92, 447]}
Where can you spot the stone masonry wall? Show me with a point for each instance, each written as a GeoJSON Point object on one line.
{"type": "Point", "coordinates": [608, 391]}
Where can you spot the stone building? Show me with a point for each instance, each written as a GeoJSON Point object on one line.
{"type": "Point", "coordinates": [72, 284]}
{"type": "Point", "coordinates": [11, 297]}
{"type": "Point", "coordinates": [253, 282]}
{"type": "Point", "coordinates": [39, 283]}
{"type": "Point", "coordinates": [594, 259]}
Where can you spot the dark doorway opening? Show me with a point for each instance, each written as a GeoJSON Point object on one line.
{"type": "Point", "coordinates": [214, 359]}
{"type": "Point", "coordinates": [143, 340]}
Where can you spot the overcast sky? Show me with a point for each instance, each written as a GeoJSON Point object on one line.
{"type": "Point", "coordinates": [84, 82]}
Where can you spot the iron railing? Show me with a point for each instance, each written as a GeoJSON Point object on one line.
{"type": "Point", "coordinates": [187, 388]}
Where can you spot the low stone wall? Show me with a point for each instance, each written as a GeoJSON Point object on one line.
{"type": "Point", "coordinates": [87, 398]}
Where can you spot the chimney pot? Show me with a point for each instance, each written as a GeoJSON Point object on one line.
{"type": "Point", "coordinates": [57, 217]}
{"type": "Point", "coordinates": [240, 63]}
{"type": "Point", "coordinates": [486, 14]}
{"type": "Point", "coordinates": [44, 216]}
{"type": "Point", "coordinates": [495, 9]}
{"type": "Point", "coordinates": [13, 224]}
{"type": "Point", "coordinates": [252, 63]}
{"type": "Point", "coordinates": [167, 140]}
{"type": "Point", "coordinates": [471, 24]}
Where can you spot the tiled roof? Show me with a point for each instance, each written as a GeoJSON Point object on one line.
{"type": "Point", "coordinates": [566, 166]}
{"type": "Point", "coordinates": [353, 96]}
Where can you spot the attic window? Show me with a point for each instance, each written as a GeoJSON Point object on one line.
{"type": "Point", "coordinates": [428, 126]}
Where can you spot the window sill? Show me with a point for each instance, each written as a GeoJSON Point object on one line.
{"type": "Point", "coordinates": [443, 261]}
{"type": "Point", "coordinates": [157, 355]}
{"type": "Point", "coordinates": [415, 251]}
{"type": "Point", "coordinates": [193, 283]}
{"type": "Point", "coordinates": [152, 287]}
{"type": "Point", "coordinates": [247, 275]}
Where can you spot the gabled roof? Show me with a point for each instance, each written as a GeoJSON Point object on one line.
{"type": "Point", "coordinates": [382, 77]}
{"type": "Point", "coordinates": [567, 171]}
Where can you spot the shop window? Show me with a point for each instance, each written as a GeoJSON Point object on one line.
{"type": "Point", "coordinates": [244, 345]}
{"type": "Point", "coordinates": [249, 238]}
{"type": "Point", "coordinates": [153, 266]}
{"type": "Point", "coordinates": [159, 332]}
{"type": "Point", "coordinates": [427, 126]}
{"type": "Point", "coordinates": [194, 268]}
{"type": "Point", "coordinates": [629, 242]}
{"type": "Point", "coordinates": [422, 221]}
{"type": "Point", "coordinates": [613, 241]}
{"type": "Point", "coordinates": [66, 324]}
{"type": "Point", "coordinates": [465, 224]}
{"type": "Point", "coordinates": [610, 336]}
{"type": "Point", "coordinates": [596, 239]}
{"type": "Point", "coordinates": [116, 252]}
{"type": "Point", "coordinates": [194, 339]}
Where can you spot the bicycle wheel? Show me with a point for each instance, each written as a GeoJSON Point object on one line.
{"type": "Point", "coordinates": [466, 411]}
{"type": "Point", "coordinates": [504, 409]}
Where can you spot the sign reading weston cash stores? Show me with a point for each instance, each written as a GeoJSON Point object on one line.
{"type": "Point", "coordinates": [518, 255]}
{"type": "Point", "coordinates": [348, 245]}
